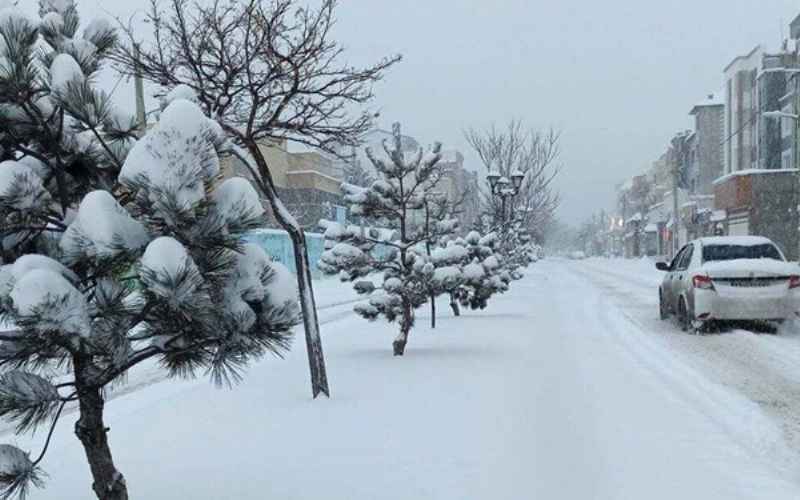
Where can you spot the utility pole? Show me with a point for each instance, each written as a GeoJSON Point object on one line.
{"type": "Point", "coordinates": [676, 160]}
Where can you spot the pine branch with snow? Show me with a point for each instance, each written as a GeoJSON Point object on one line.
{"type": "Point", "coordinates": [116, 249]}
{"type": "Point", "coordinates": [482, 267]}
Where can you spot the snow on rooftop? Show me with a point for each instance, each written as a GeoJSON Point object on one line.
{"type": "Point", "coordinates": [715, 99]}
{"type": "Point", "coordinates": [755, 171]}
{"type": "Point", "coordinates": [637, 217]}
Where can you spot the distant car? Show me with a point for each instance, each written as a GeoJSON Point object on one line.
{"type": "Point", "coordinates": [729, 278]}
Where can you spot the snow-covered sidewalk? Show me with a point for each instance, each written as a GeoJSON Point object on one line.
{"type": "Point", "coordinates": [556, 391]}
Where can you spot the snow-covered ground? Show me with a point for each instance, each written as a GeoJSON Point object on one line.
{"type": "Point", "coordinates": [568, 387]}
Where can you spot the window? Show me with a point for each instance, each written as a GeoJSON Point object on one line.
{"type": "Point", "coordinates": [340, 214]}
{"type": "Point", "coordinates": [731, 252]}
{"type": "Point", "coordinates": [676, 261]}
{"type": "Point", "coordinates": [686, 258]}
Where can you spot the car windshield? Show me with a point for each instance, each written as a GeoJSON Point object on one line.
{"type": "Point", "coordinates": [731, 252]}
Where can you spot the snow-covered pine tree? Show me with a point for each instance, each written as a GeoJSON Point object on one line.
{"type": "Point", "coordinates": [482, 268]}
{"type": "Point", "coordinates": [116, 250]}
{"type": "Point", "coordinates": [395, 200]}
{"type": "Point", "coordinates": [516, 246]}
{"type": "Point", "coordinates": [442, 226]}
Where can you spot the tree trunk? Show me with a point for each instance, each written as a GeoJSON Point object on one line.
{"type": "Point", "coordinates": [316, 358]}
{"type": "Point", "coordinates": [308, 306]}
{"type": "Point", "coordinates": [399, 344]}
{"type": "Point", "coordinates": [109, 484]}
{"type": "Point", "coordinates": [433, 312]}
{"type": "Point", "coordinates": [454, 305]}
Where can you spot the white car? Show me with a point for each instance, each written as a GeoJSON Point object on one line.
{"type": "Point", "coordinates": [577, 255]}
{"type": "Point", "coordinates": [729, 278]}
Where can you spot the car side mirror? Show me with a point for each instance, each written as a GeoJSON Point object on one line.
{"type": "Point", "coordinates": [662, 266]}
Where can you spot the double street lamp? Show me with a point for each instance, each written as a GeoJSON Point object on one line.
{"type": "Point", "coordinates": [504, 188]}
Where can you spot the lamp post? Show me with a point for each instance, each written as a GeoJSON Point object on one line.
{"type": "Point", "coordinates": [504, 188]}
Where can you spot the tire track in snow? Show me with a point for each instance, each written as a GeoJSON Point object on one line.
{"type": "Point", "coordinates": [740, 418]}
{"type": "Point", "coordinates": [763, 368]}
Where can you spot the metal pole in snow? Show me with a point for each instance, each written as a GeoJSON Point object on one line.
{"type": "Point", "coordinates": [675, 215]}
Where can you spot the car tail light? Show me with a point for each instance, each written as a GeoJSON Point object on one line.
{"type": "Point", "coordinates": [703, 283]}
{"type": "Point", "coordinates": [794, 281]}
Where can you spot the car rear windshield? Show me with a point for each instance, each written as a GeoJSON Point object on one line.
{"type": "Point", "coordinates": [731, 252]}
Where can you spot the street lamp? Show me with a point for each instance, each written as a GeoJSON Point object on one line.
{"type": "Point", "coordinates": [516, 179]}
{"type": "Point", "coordinates": [493, 177]}
{"type": "Point", "coordinates": [504, 188]}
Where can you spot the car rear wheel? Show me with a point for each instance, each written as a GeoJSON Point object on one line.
{"type": "Point", "coordinates": [687, 325]}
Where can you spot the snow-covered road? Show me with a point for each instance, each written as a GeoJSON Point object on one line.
{"type": "Point", "coordinates": [568, 387]}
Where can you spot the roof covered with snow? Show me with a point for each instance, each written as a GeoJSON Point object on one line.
{"type": "Point", "coordinates": [755, 171]}
{"type": "Point", "coordinates": [715, 99]}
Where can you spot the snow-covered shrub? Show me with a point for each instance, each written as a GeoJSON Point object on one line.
{"type": "Point", "coordinates": [397, 199]}
{"type": "Point", "coordinates": [116, 249]}
{"type": "Point", "coordinates": [483, 270]}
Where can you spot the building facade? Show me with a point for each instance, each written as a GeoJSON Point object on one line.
{"type": "Point", "coordinates": [308, 183]}
{"type": "Point", "coordinates": [461, 187]}
{"type": "Point", "coordinates": [760, 202]}
{"type": "Point", "coordinates": [709, 118]}
{"type": "Point", "coordinates": [740, 142]}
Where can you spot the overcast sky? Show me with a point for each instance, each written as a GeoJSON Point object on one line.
{"type": "Point", "coordinates": [617, 77]}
